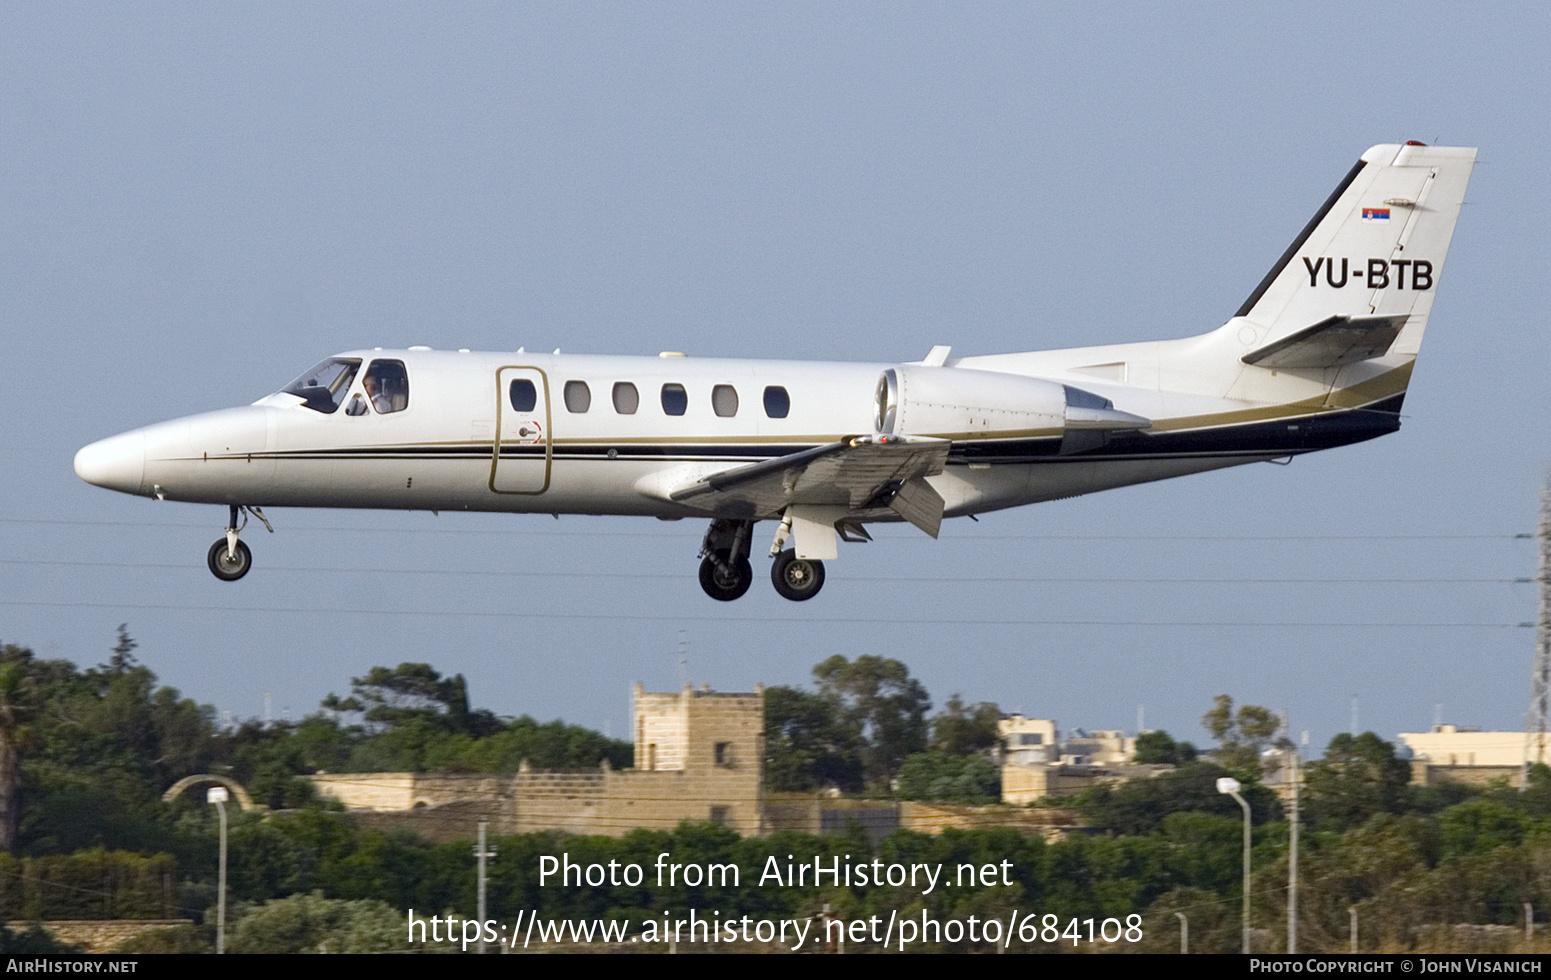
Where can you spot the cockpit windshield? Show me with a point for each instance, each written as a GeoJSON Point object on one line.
{"type": "Point", "coordinates": [324, 387]}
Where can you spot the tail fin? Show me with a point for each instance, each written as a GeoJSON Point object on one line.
{"type": "Point", "coordinates": [1359, 281]}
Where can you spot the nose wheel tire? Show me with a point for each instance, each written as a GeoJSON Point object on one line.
{"type": "Point", "coordinates": [228, 568]}
{"type": "Point", "coordinates": [796, 578]}
{"type": "Point", "coordinates": [725, 586]}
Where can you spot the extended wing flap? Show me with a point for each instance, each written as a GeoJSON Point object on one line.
{"type": "Point", "coordinates": [854, 473]}
{"type": "Point", "coordinates": [919, 504]}
{"type": "Point", "coordinates": [1332, 342]}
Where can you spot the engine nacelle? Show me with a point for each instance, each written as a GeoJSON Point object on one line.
{"type": "Point", "coordinates": [958, 403]}
{"type": "Point", "coordinates": [963, 404]}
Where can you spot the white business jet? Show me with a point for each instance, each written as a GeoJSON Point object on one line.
{"type": "Point", "coordinates": [1318, 356]}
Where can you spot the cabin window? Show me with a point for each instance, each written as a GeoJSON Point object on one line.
{"type": "Point", "coordinates": [626, 398]}
{"type": "Point", "coordinates": [578, 397]}
{"type": "Point", "coordinates": [675, 400]}
{"type": "Point", "coordinates": [724, 401]}
{"type": "Point", "coordinates": [777, 402]}
{"type": "Point", "coordinates": [523, 395]}
{"type": "Point", "coordinates": [386, 384]}
{"type": "Point", "coordinates": [324, 387]}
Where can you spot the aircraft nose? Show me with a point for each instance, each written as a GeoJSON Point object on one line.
{"type": "Point", "coordinates": [117, 463]}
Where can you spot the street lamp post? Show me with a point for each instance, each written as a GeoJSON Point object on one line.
{"type": "Point", "coordinates": [1229, 786]}
{"type": "Point", "coordinates": [218, 796]}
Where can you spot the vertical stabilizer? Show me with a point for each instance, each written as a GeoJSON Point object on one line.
{"type": "Point", "coordinates": [1372, 256]}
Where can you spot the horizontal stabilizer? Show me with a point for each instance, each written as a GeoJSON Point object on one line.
{"type": "Point", "coordinates": [1332, 342]}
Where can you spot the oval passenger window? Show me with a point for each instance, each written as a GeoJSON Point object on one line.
{"type": "Point", "coordinates": [523, 395]}
{"type": "Point", "coordinates": [724, 401]}
{"type": "Point", "coordinates": [675, 400]}
{"type": "Point", "coordinates": [578, 397]}
{"type": "Point", "coordinates": [626, 398]}
{"type": "Point", "coordinates": [777, 402]}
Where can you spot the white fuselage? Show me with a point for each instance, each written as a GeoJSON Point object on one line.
{"type": "Point", "coordinates": [440, 451]}
{"type": "Point", "coordinates": [1319, 355]}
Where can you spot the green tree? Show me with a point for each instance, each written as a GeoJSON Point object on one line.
{"type": "Point", "coordinates": [35, 939]}
{"type": "Point", "coordinates": [413, 692]}
{"type": "Point", "coordinates": [1480, 825]}
{"type": "Point", "coordinates": [546, 745]}
{"type": "Point", "coordinates": [17, 703]}
{"type": "Point", "coordinates": [966, 730]}
{"type": "Point", "coordinates": [952, 778]}
{"type": "Point", "coordinates": [1214, 924]}
{"type": "Point", "coordinates": [314, 924]}
{"type": "Point", "coordinates": [807, 744]}
{"type": "Point", "coordinates": [1537, 794]}
{"type": "Point", "coordinates": [1140, 806]}
{"type": "Point", "coordinates": [882, 705]}
{"type": "Point", "coordinates": [105, 742]}
{"type": "Point", "coordinates": [1157, 747]}
{"type": "Point", "coordinates": [1357, 778]}
{"type": "Point", "coordinates": [1240, 737]}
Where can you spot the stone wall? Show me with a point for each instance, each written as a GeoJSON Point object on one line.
{"type": "Point", "coordinates": [818, 814]}
{"type": "Point", "coordinates": [1424, 773]}
{"type": "Point", "coordinates": [705, 766]}
{"type": "Point", "coordinates": [1026, 783]}
{"type": "Point", "coordinates": [98, 935]}
{"type": "Point", "coordinates": [933, 818]}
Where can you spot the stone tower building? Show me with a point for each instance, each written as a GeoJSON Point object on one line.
{"type": "Point", "coordinates": [697, 757]}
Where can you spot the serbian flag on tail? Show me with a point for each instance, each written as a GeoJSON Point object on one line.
{"type": "Point", "coordinates": [1375, 214]}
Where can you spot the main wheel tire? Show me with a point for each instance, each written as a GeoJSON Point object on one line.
{"type": "Point", "coordinates": [796, 578]}
{"type": "Point", "coordinates": [225, 568]}
{"type": "Point", "coordinates": [726, 586]}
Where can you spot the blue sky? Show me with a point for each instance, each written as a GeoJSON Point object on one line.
{"type": "Point", "coordinates": [198, 201]}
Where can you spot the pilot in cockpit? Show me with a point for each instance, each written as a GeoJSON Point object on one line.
{"type": "Point", "coordinates": [381, 400]}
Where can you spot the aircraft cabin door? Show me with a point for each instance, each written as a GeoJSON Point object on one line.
{"type": "Point", "coordinates": [521, 459]}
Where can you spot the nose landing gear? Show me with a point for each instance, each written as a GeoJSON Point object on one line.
{"type": "Point", "coordinates": [229, 559]}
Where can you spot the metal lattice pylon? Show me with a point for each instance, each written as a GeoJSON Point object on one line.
{"type": "Point", "coordinates": [1536, 722]}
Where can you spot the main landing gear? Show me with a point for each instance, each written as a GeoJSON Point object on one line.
{"type": "Point", "coordinates": [796, 578]}
{"type": "Point", "coordinates": [229, 559]}
{"type": "Point", "coordinates": [725, 571]}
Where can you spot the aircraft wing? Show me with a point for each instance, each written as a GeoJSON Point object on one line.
{"type": "Point", "coordinates": [856, 473]}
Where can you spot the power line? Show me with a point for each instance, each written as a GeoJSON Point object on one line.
{"type": "Point", "coordinates": [486, 532]}
{"type": "Point", "coordinates": [834, 620]}
{"type": "Point", "coordinates": [970, 579]}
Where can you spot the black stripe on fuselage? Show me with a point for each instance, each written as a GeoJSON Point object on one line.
{"type": "Point", "coordinates": [1285, 436]}
{"type": "Point", "coordinates": [1298, 434]}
